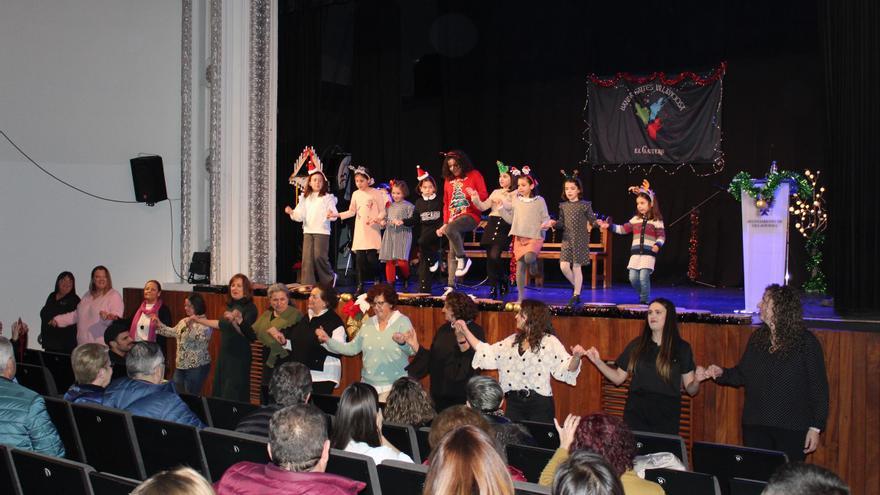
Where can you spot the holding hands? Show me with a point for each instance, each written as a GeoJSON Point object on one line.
{"type": "Point", "coordinates": [593, 355]}
{"type": "Point", "coordinates": [409, 337]}
{"type": "Point", "coordinates": [288, 210]}
{"type": "Point", "coordinates": [106, 315]}
{"type": "Point", "coordinates": [441, 231]}
{"type": "Point", "coordinates": [277, 335]}
{"type": "Point", "coordinates": [321, 335]}
{"type": "Point", "coordinates": [604, 223]}
{"type": "Point", "coordinates": [578, 351]}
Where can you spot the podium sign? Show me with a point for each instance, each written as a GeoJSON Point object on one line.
{"type": "Point", "coordinates": [765, 243]}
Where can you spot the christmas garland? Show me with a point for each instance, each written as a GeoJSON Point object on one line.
{"type": "Point", "coordinates": [743, 182]}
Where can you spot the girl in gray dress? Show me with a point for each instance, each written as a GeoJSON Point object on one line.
{"type": "Point", "coordinates": [397, 239]}
{"type": "Point", "coordinates": [576, 217]}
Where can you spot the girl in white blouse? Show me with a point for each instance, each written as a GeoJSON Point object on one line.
{"type": "Point", "coordinates": [525, 362]}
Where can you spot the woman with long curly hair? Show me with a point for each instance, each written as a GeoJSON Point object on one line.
{"type": "Point", "coordinates": [408, 404]}
{"type": "Point", "coordinates": [607, 436]}
{"type": "Point", "coordinates": [465, 462]}
{"type": "Point", "coordinates": [448, 361]}
{"type": "Point", "coordinates": [661, 364]}
{"type": "Point", "coordinates": [783, 372]}
{"type": "Point", "coordinates": [525, 362]}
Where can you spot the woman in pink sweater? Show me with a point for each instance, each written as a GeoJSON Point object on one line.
{"type": "Point", "coordinates": [460, 214]}
{"type": "Point", "coordinates": [96, 310]}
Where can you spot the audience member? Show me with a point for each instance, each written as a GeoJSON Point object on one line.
{"type": "Point", "coordinates": [408, 404]}
{"type": "Point", "coordinates": [92, 371]}
{"type": "Point", "coordinates": [180, 481]}
{"type": "Point", "coordinates": [143, 393]}
{"type": "Point", "coordinates": [119, 342]}
{"type": "Point", "coordinates": [804, 479]}
{"type": "Point", "coordinates": [299, 450]}
{"type": "Point", "coordinates": [608, 436]}
{"type": "Point", "coordinates": [62, 300]}
{"type": "Point", "coordinates": [26, 424]}
{"type": "Point", "coordinates": [465, 462]}
{"type": "Point", "coordinates": [358, 425]}
{"type": "Point", "coordinates": [291, 384]}
{"type": "Point", "coordinates": [484, 394]}
{"type": "Point", "coordinates": [97, 309]}
{"type": "Point", "coordinates": [586, 472]}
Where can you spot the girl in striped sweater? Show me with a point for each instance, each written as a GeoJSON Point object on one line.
{"type": "Point", "coordinates": [648, 237]}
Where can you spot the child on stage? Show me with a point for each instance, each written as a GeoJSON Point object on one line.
{"type": "Point", "coordinates": [316, 208]}
{"type": "Point", "coordinates": [495, 239]}
{"type": "Point", "coordinates": [529, 220]}
{"type": "Point", "coordinates": [648, 237]}
{"type": "Point", "coordinates": [428, 213]}
{"type": "Point", "coordinates": [397, 239]}
{"type": "Point", "coordinates": [368, 205]}
{"type": "Point", "coordinates": [576, 217]}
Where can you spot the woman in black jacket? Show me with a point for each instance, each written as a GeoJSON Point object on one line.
{"type": "Point", "coordinates": [62, 300]}
{"type": "Point", "coordinates": [448, 361]}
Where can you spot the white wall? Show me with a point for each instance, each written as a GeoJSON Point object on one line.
{"type": "Point", "coordinates": [85, 85]}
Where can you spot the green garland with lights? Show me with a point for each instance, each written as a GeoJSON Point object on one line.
{"type": "Point", "coordinates": [743, 182]}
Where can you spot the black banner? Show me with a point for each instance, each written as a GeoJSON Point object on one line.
{"type": "Point", "coordinates": [655, 119]}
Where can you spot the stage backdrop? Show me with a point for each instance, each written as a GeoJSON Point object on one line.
{"type": "Point", "coordinates": [655, 119]}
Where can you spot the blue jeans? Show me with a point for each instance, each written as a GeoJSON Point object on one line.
{"type": "Point", "coordinates": [641, 281]}
{"type": "Point", "coordinates": [190, 381]}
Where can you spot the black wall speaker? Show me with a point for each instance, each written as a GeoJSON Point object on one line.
{"type": "Point", "coordinates": [149, 179]}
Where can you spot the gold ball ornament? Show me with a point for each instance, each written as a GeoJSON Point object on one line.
{"type": "Point", "coordinates": [508, 306]}
{"type": "Point", "coordinates": [345, 297]}
{"type": "Point", "coordinates": [761, 203]}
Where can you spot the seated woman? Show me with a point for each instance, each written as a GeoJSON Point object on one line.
{"type": "Point", "coordinates": [408, 404]}
{"type": "Point", "coordinates": [384, 360]}
{"type": "Point", "coordinates": [62, 300]}
{"type": "Point", "coordinates": [280, 316]}
{"type": "Point", "coordinates": [586, 472]}
{"type": "Point", "coordinates": [466, 462]}
{"type": "Point", "coordinates": [193, 359]}
{"type": "Point", "coordinates": [525, 362]}
{"type": "Point", "coordinates": [608, 436]}
{"type": "Point", "coordinates": [97, 309]}
{"type": "Point", "coordinates": [232, 373]}
{"type": "Point", "coordinates": [458, 416]}
{"type": "Point", "coordinates": [448, 361]}
{"type": "Point", "coordinates": [358, 425]}
{"type": "Point", "coordinates": [485, 396]}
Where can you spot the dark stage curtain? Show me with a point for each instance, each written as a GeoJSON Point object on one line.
{"type": "Point", "coordinates": [506, 80]}
{"type": "Point", "coordinates": [852, 83]}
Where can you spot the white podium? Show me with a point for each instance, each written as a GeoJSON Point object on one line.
{"type": "Point", "coordinates": [765, 243]}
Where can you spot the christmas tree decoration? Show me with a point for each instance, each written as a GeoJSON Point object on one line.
{"type": "Point", "coordinates": [811, 220]}
{"type": "Point", "coordinates": [764, 196]}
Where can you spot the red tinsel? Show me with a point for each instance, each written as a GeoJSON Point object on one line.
{"type": "Point", "coordinates": [699, 80]}
{"type": "Point", "coordinates": [693, 270]}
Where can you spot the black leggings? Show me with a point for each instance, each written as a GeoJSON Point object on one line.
{"type": "Point", "coordinates": [656, 413]}
{"type": "Point", "coordinates": [429, 252]}
{"type": "Point", "coordinates": [495, 264]}
{"type": "Point", "coordinates": [366, 260]}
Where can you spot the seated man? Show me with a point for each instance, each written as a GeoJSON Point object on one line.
{"type": "Point", "coordinates": [25, 424]}
{"type": "Point", "coordinates": [485, 395]}
{"type": "Point", "coordinates": [291, 383]}
{"type": "Point", "coordinates": [299, 449]}
{"type": "Point", "coordinates": [143, 393]}
{"type": "Point", "coordinates": [92, 370]}
{"type": "Point", "coordinates": [119, 342]}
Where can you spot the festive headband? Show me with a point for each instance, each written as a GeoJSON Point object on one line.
{"type": "Point", "coordinates": [451, 154]}
{"type": "Point", "coordinates": [515, 172]}
{"type": "Point", "coordinates": [644, 188]}
{"type": "Point", "coordinates": [315, 166]}
{"type": "Point", "coordinates": [421, 174]}
{"type": "Point", "coordinates": [527, 171]}
{"type": "Point", "coordinates": [502, 168]}
{"type": "Point", "coordinates": [361, 170]}
{"type": "Point", "coordinates": [566, 176]}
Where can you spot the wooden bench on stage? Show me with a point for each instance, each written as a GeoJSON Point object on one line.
{"type": "Point", "coordinates": [600, 250]}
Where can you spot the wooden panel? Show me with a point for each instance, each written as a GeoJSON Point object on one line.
{"type": "Point", "coordinates": [850, 444]}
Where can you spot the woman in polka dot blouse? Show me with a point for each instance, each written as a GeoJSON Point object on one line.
{"type": "Point", "coordinates": [525, 362]}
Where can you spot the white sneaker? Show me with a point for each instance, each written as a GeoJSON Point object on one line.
{"type": "Point", "coordinates": [447, 290]}
{"type": "Point", "coordinates": [433, 268]}
{"type": "Point", "coordinates": [464, 264]}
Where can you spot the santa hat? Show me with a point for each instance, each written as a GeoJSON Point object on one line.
{"type": "Point", "coordinates": [421, 174]}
